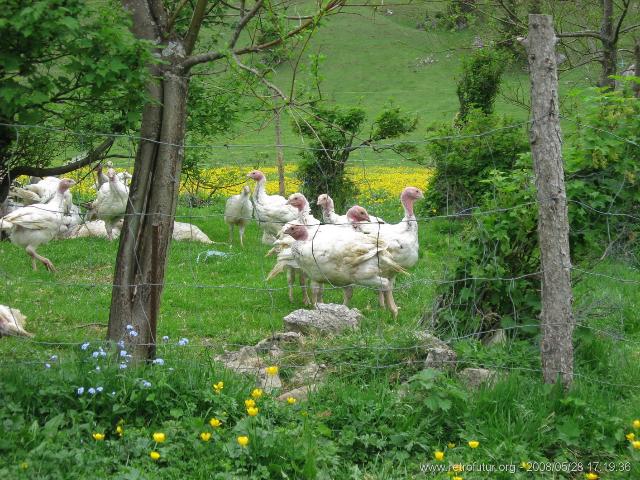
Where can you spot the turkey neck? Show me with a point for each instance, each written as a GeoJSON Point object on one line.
{"type": "Point", "coordinates": [259, 194]}
{"type": "Point", "coordinates": [118, 187]}
{"type": "Point", "coordinates": [409, 217]}
{"type": "Point", "coordinates": [57, 201]}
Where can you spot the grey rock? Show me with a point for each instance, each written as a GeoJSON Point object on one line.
{"type": "Point", "coordinates": [442, 358]}
{"type": "Point", "coordinates": [300, 393]}
{"type": "Point", "coordinates": [473, 378]}
{"type": "Point", "coordinates": [276, 340]}
{"type": "Point", "coordinates": [269, 382]}
{"type": "Point", "coordinates": [425, 342]}
{"type": "Point", "coordinates": [326, 318]}
{"type": "Point", "coordinates": [245, 360]}
{"type": "Point", "coordinates": [312, 373]}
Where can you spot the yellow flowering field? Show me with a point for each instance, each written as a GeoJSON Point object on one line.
{"type": "Point", "coordinates": [377, 184]}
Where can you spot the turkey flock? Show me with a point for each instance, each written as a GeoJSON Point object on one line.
{"type": "Point", "coordinates": [343, 251]}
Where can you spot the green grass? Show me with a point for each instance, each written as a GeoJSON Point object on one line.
{"type": "Point", "coordinates": [357, 426]}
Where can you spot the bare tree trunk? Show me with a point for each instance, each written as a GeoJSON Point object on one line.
{"type": "Point", "coordinates": [636, 73]}
{"type": "Point", "coordinates": [609, 46]}
{"type": "Point", "coordinates": [279, 150]}
{"type": "Point", "coordinates": [148, 225]}
{"type": "Point", "coordinates": [556, 346]}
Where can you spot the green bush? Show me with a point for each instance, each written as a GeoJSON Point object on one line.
{"type": "Point", "coordinates": [480, 82]}
{"type": "Point", "coordinates": [603, 174]}
{"type": "Point", "coordinates": [603, 170]}
{"type": "Point", "coordinates": [462, 156]}
{"type": "Point", "coordinates": [334, 133]}
{"type": "Point", "coordinates": [498, 243]}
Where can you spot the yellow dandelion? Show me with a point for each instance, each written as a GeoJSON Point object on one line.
{"type": "Point", "coordinates": [526, 466]}
{"type": "Point", "coordinates": [243, 440]}
{"type": "Point", "coordinates": [98, 436]}
{"type": "Point", "coordinates": [272, 370]}
{"type": "Point", "coordinates": [591, 476]}
{"type": "Point", "coordinates": [248, 403]}
{"type": "Point", "coordinates": [119, 430]}
{"type": "Point", "coordinates": [636, 424]}
{"type": "Point", "coordinates": [205, 436]}
{"type": "Point", "coordinates": [636, 444]}
{"type": "Point", "coordinates": [438, 455]}
{"type": "Point", "coordinates": [631, 436]}
{"type": "Point", "coordinates": [256, 393]}
{"type": "Point", "coordinates": [215, 423]}
{"type": "Point", "coordinates": [451, 445]}
{"type": "Point", "coordinates": [24, 465]}
{"type": "Point", "coordinates": [154, 455]}
{"type": "Point", "coordinates": [291, 400]}
{"type": "Point", "coordinates": [474, 443]}
{"type": "Point", "coordinates": [217, 387]}
{"type": "Point", "coordinates": [458, 467]}
{"type": "Point", "coordinates": [159, 437]}
{"type": "Point", "coordinates": [457, 478]}
{"type": "Point", "coordinates": [252, 411]}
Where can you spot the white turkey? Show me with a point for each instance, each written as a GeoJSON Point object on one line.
{"type": "Point", "coordinates": [187, 231]}
{"type": "Point", "coordinates": [101, 178]}
{"type": "Point", "coordinates": [329, 214]}
{"type": "Point", "coordinates": [93, 228]}
{"type": "Point", "coordinates": [270, 211]}
{"type": "Point", "coordinates": [283, 245]}
{"type": "Point", "coordinates": [12, 322]}
{"type": "Point", "coordinates": [41, 192]}
{"type": "Point", "coordinates": [237, 212]}
{"type": "Point", "coordinates": [111, 202]}
{"type": "Point", "coordinates": [344, 257]}
{"type": "Point", "coordinates": [36, 224]}
{"type": "Point", "coordinates": [401, 238]}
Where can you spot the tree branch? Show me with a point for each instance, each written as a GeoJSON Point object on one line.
{"type": "Point", "coordinates": [586, 33]}
{"type": "Point", "coordinates": [174, 15]}
{"type": "Point", "coordinates": [194, 26]}
{"type": "Point", "coordinates": [629, 28]}
{"type": "Point", "coordinates": [95, 154]}
{"type": "Point", "coordinates": [243, 23]}
{"type": "Point", "coordinates": [212, 56]}
{"type": "Point", "coordinates": [260, 77]}
{"type": "Point", "coordinates": [623, 14]}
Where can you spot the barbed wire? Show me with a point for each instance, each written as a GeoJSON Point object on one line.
{"type": "Point", "coordinates": [403, 285]}
{"type": "Point", "coordinates": [270, 145]}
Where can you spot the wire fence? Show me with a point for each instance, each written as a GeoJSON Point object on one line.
{"type": "Point", "coordinates": [30, 351]}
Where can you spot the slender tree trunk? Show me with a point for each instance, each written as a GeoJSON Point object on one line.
{"type": "Point", "coordinates": [279, 150]}
{"type": "Point", "coordinates": [556, 346]}
{"type": "Point", "coordinates": [636, 73]}
{"type": "Point", "coordinates": [148, 225]}
{"type": "Point", "coordinates": [609, 46]}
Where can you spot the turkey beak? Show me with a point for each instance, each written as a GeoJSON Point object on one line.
{"type": "Point", "coordinates": [420, 194]}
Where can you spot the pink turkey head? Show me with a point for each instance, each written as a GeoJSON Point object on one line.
{"type": "Point", "coordinates": [408, 197]}
{"type": "Point", "coordinates": [65, 184]}
{"type": "Point", "coordinates": [325, 201]}
{"type": "Point", "coordinates": [256, 175]}
{"type": "Point", "coordinates": [358, 214]}
{"type": "Point", "coordinates": [298, 201]}
{"type": "Point", "coordinates": [298, 232]}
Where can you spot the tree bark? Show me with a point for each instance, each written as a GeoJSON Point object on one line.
{"type": "Point", "coordinates": [636, 73]}
{"type": "Point", "coordinates": [153, 195]}
{"type": "Point", "coordinates": [279, 151]}
{"type": "Point", "coordinates": [609, 46]}
{"type": "Point", "coordinates": [556, 346]}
